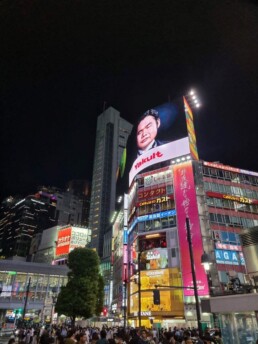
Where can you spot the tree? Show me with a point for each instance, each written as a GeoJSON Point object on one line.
{"type": "Point", "coordinates": [84, 293]}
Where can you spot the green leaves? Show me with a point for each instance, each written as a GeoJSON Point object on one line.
{"type": "Point", "coordinates": [84, 293]}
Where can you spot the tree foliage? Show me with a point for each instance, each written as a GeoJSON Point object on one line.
{"type": "Point", "coordinates": [84, 293]}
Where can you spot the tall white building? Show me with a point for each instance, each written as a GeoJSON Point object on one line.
{"type": "Point", "coordinates": [111, 138]}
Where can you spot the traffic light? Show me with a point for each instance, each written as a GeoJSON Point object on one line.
{"type": "Point", "coordinates": [105, 311]}
{"type": "Point", "coordinates": [156, 297]}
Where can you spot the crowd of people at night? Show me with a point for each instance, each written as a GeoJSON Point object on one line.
{"type": "Point", "coordinates": [114, 335]}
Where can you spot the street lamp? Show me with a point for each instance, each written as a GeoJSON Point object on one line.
{"type": "Point", "coordinates": [193, 99]}
{"type": "Point", "coordinates": [206, 261]}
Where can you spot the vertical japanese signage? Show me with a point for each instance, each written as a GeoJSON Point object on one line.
{"type": "Point", "coordinates": [186, 206]}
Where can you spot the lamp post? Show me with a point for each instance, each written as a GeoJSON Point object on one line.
{"type": "Point", "coordinates": [206, 262]}
{"type": "Point", "coordinates": [26, 300]}
{"type": "Point", "coordinates": [197, 304]}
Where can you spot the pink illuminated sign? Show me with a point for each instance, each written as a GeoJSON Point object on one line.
{"type": "Point", "coordinates": [186, 206]}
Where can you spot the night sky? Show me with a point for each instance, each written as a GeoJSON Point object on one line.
{"type": "Point", "coordinates": [61, 60]}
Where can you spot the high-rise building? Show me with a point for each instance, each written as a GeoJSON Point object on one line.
{"type": "Point", "coordinates": [82, 189]}
{"type": "Point", "coordinates": [221, 203]}
{"type": "Point", "coordinates": [111, 137]}
{"type": "Point", "coordinates": [21, 219]}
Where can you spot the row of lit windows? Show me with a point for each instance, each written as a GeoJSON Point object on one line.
{"type": "Point", "coordinates": [156, 224]}
{"type": "Point", "coordinates": [227, 237]}
{"type": "Point", "coordinates": [233, 221]}
{"type": "Point", "coordinates": [153, 208]}
{"type": "Point", "coordinates": [225, 203]}
{"type": "Point", "coordinates": [231, 190]}
{"type": "Point", "coordinates": [231, 176]}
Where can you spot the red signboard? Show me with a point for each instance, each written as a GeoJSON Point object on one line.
{"type": "Point", "coordinates": [63, 241]}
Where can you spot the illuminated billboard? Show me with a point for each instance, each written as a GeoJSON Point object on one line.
{"type": "Point", "coordinates": [170, 300]}
{"type": "Point", "coordinates": [69, 238]}
{"type": "Point", "coordinates": [186, 207]}
{"type": "Point", "coordinates": [160, 134]}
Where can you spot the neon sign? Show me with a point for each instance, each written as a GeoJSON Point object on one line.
{"type": "Point", "coordinates": [155, 201]}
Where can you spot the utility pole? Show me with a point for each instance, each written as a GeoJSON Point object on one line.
{"type": "Point", "coordinates": [26, 300]}
{"type": "Point", "coordinates": [139, 290]}
{"type": "Point", "coordinates": [197, 304]}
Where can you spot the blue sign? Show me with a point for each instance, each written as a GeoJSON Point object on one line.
{"type": "Point", "coordinates": [125, 236]}
{"type": "Point", "coordinates": [150, 217]}
{"type": "Point", "coordinates": [228, 257]}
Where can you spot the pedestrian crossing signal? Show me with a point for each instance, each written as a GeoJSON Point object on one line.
{"type": "Point", "coordinates": [156, 297]}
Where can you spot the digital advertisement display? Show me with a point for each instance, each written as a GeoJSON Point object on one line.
{"type": "Point", "coordinates": [186, 207]}
{"type": "Point", "coordinates": [160, 133]}
{"type": "Point", "coordinates": [170, 301]}
{"type": "Point", "coordinates": [63, 241]}
{"type": "Point", "coordinates": [69, 238]}
{"type": "Point", "coordinates": [154, 259]}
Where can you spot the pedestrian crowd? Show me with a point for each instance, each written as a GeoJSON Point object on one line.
{"type": "Point", "coordinates": [115, 335]}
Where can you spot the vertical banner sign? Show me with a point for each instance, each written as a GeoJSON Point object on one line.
{"type": "Point", "coordinates": [63, 241]}
{"type": "Point", "coordinates": [190, 130]}
{"type": "Point", "coordinates": [186, 206]}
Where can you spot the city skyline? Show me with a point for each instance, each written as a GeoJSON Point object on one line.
{"type": "Point", "coordinates": [69, 67]}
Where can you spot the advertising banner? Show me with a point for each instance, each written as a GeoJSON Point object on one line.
{"type": "Point", "coordinates": [160, 134]}
{"type": "Point", "coordinates": [186, 207]}
{"type": "Point", "coordinates": [159, 154]}
{"type": "Point", "coordinates": [229, 257]}
{"type": "Point", "coordinates": [79, 237]}
{"type": "Point", "coordinates": [63, 241]}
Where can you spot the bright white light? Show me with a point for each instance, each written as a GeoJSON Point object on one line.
{"type": "Point", "coordinates": [206, 266]}
{"type": "Point", "coordinates": [183, 159]}
{"type": "Point", "coordinates": [178, 160]}
{"type": "Point", "coordinates": [191, 92]}
{"type": "Point", "coordinates": [198, 105]}
{"type": "Point", "coordinates": [193, 97]}
{"type": "Point", "coordinates": [195, 101]}
{"type": "Point", "coordinates": [173, 162]}
{"type": "Point", "coordinates": [188, 157]}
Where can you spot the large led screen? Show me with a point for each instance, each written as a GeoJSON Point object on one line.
{"type": "Point", "coordinates": [161, 133]}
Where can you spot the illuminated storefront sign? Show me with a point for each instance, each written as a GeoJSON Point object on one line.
{"type": "Point", "coordinates": [155, 216]}
{"type": "Point", "coordinates": [63, 241]}
{"type": "Point", "coordinates": [155, 201]}
{"type": "Point", "coordinates": [229, 257]}
{"type": "Point", "coordinates": [229, 168]}
{"type": "Point", "coordinates": [158, 178]}
{"type": "Point", "coordinates": [150, 217]}
{"type": "Point", "coordinates": [153, 255]}
{"type": "Point", "coordinates": [186, 207]}
{"type": "Point", "coordinates": [239, 199]}
{"type": "Point", "coordinates": [70, 238]}
{"type": "Point", "coordinates": [147, 194]}
{"type": "Point", "coordinates": [228, 247]}
{"type": "Point", "coordinates": [159, 154]}
{"type": "Point", "coordinates": [154, 259]}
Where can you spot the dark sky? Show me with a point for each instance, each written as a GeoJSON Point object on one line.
{"type": "Point", "coordinates": [60, 60]}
